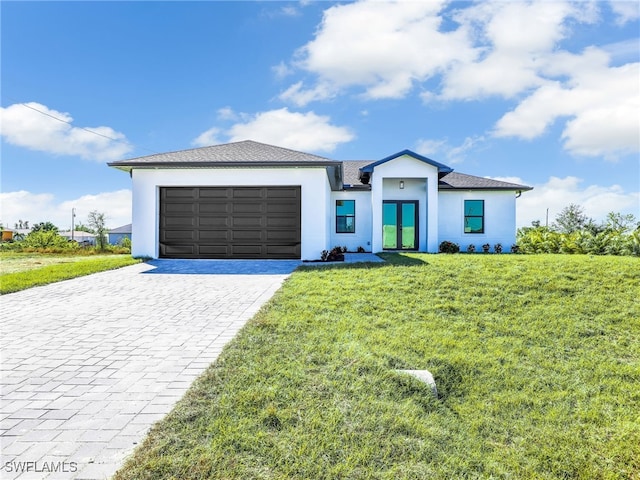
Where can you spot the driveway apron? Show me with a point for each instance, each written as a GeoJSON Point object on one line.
{"type": "Point", "coordinates": [89, 364]}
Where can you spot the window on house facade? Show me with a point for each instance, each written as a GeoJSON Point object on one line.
{"type": "Point", "coordinates": [345, 216]}
{"type": "Point", "coordinates": [474, 216]}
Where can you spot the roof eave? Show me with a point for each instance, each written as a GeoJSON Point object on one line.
{"type": "Point", "coordinates": [442, 168]}
{"type": "Point", "coordinates": [517, 188]}
{"type": "Point", "coordinates": [130, 165]}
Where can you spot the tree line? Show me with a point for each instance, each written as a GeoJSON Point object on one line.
{"type": "Point", "coordinates": [45, 235]}
{"type": "Point", "coordinates": [574, 232]}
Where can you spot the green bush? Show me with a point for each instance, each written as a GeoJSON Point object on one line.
{"type": "Point", "coordinates": [46, 239]}
{"type": "Point", "coordinates": [608, 242]}
{"type": "Point", "coordinates": [449, 247]}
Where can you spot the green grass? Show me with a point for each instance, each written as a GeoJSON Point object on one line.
{"type": "Point", "coordinates": [20, 271]}
{"type": "Point", "coordinates": [536, 358]}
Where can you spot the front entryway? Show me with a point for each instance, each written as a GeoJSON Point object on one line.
{"type": "Point", "coordinates": [400, 224]}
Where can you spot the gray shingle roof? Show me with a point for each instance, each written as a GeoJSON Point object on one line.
{"type": "Point", "coordinates": [351, 169]}
{"type": "Point", "coordinates": [450, 181]}
{"type": "Point", "coordinates": [250, 153]}
{"type": "Point", "coordinates": [123, 229]}
{"type": "Point", "coordinates": [462, 181]}
{"type": "Point", "coordinates": [229, 154]}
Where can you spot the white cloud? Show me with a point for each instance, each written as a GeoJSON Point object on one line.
{"type": "Point", "coordinates": [625, 10]}
{"type": "Point", "coordinates": [513, 38]}
{"type": "Point", "coordinates": [227, 113]}
{"type": "Point", "coordinates": [44, 207]}
{"type": "Point", "coordinates": [382, 46]}
{"type": "Point", "coordinates": [281, 70]}
{"type": "Point", "coordinates": [31, 126]}
{"type": "Point", "coordinates": [600, 105]}
{"type": "Point", "coordinates": [300, 96]}
{"type": "Point", "coordinates": [206, 138]}
{"type": "Point", "coordinates": [511, 50]}
{"type": "Point", "coordinates": [298, 131]}
{"type": "Point", "coordinates": [442, 151]}
{"type": "Point", "coordinates": [557, 193]}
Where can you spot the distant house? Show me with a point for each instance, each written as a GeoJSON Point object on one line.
{"type": "Point", "coordinates": [118, 234]}
{"type": "Point", "coordinates": [251, 200]}
{"type": "Point", "coordinates": [17, 233]}
{"type": "Point", "coordinates": [80, 237]}
{"type": "Point", "coordinates": [7, 235]}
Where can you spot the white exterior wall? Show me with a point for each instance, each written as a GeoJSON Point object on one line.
{"type": "Point", "coordinates": [420, 183]}
{"type": "Point", "coordinates": [362, 235]}
{"type": "Point", "coordinates": [315, 201]}
{"type": "Point", "coordinates": [499, 218]}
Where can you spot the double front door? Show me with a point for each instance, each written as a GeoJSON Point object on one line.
{"type": "Point", "coordinates": [400, 224]}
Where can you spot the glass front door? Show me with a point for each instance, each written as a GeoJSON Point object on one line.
{"type": "Point", "coordinates": [400, 224]}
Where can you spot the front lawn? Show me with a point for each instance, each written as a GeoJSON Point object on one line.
{"type": "Point", "coordinates": [536, 359]}
{"type": "Point", "coordinates": [24, 270]}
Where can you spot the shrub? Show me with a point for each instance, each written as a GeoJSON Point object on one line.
{"type": "Point", "coordinates": [449, 247]}
{"type": "Point", "coordinates": [335, 255]}
{"type": "Point", "coordinates": [607, 242]}
{"type": "Point", "coordinates": [125, 242]}
{"type": "Point", "coordinates": [497, 248]}
{"type": "Point", "coordinates": [361, 250]}
{"type": "Point", "coordinates": [471, 248]}
{"type": "Point", "coordinates": [46, 239]}
{"type": "Point", "coordinates": [486, 247]}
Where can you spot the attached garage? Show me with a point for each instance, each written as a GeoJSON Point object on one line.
{"type": "Point", "coordinates": [230, 222]}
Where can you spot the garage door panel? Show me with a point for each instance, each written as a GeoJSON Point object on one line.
{"type": "Point", "coordinates": [248, 221]}
{"type": "Point", "coordinates": [214, 192]}
{"type": "Point", "coordinates": [249, 192]}
{"type": "Point", "coordinates": [214, 208]}
{"type": "Point", "coordinates": [282, 208]}
{"type": "Point", "coordinates": [214, 222]}
{"type": "Point", "coordinates": [248, 235]}
{"type": "Point", "coordinates": [230, 222]}
{"type": "Point", "coordinates": [282, 222]}
{"type": "Point", "coordinates": [172, 249]}
{"type": "Point", "coordinates": [248, 208]}
{"type": "Point", "coordinates": [178, 235]}
{"type": "Point", "coordinates": [180, 208]}
{"type": "Point", "coordinates": [283, 192]}
{"type": "Point", "coordinates": [179, 222]}
{"type": "Point", "coordinates": [214, 235]}
{"type": "Point", "coordinates": [280, 235]}
{"type": "Point", "coordinates": [282, 251]}
{"type": "Point", "coordinates": [180, 193]}
{"type": "Point", "coordinates": [247, 251]}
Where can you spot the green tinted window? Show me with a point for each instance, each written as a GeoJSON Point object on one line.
{"type": "Point", "coordinates": [474, 207]}
{"type": "Point", "coordinates": [345, 216]}
{"type": "Point", "coordinates": [474, 216]}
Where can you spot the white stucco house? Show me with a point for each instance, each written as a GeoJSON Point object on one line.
{"type": "Point", "coordinates": [251, 200]}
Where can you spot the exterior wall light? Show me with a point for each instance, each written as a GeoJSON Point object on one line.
{"type": "Point", "coordinates": [401, 184]}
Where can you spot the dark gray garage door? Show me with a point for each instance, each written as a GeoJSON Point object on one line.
{"type": "Point", "coordinates": [230, 222]}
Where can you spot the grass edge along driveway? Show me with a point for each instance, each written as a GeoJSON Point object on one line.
{"type": "Point", "coordinates": [69, 267]}
{"type": "Point", "coordinates": [537, 361]}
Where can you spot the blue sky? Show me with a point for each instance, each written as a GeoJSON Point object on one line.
{"type": "Point", "coordinates": [542, 93]}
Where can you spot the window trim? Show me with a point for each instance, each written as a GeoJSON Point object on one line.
{"type": "Point", "coordinates": [465, 217]}
{"type": "Point", "coordinates": [346, 216]}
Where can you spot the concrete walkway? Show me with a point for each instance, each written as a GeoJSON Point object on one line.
{"type": "Point", "coordinates": [89, 364]}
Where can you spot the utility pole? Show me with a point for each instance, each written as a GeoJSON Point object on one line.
{"type": "Point", "coordinates": [73, 226]}
{"type": "Point", "coordinates": [546, 223]}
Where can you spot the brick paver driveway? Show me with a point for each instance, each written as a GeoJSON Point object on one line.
{"type": "Point", "coordinates": [88, 365]}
